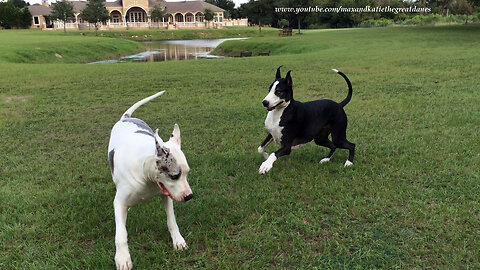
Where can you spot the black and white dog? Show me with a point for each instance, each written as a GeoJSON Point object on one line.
{"type": "Point", "coordinates": [291, 123]}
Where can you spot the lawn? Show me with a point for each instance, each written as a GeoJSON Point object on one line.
{"type": "Point", "coordinates": [36, 46]}
{"type": "Point", "coordinates": [410, 201]}
{"type": "Point", "coordinates": [163, 34]}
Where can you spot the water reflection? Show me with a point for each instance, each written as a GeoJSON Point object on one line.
{"type": "Point", "coordinates": [167, 50]}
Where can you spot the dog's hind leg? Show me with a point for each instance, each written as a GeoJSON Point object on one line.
{"type": "Point", "coordinates": [340, 141]}
{"type": "Point", "coordinates": [324, 141]}
{"type": "Point", "coordinates": [339, 138]}
{"type": "Point", "coordinates": [351, 148]}
{"type": "Point", "coordinates": [265, 143]}
{"type": "Point", "coordinates": [178, 241]}
{"type": "Point", "coordinates": [122, 255]}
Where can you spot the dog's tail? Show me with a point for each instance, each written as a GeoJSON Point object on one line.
{"type": "Point", "coordinates": [350, 90]}
{"type": "Point", "coordinates": [135, 106]}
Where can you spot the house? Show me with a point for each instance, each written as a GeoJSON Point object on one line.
{"type": "Point", "coordinates": [135, 14]}
{"type": "Point", "coordinates": [40, 16]}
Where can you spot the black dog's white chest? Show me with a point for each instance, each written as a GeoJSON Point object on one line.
{"type": "Point", "coordinates": [272, 124]}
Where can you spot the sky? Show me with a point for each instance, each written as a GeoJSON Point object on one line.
{"type": "Point", "coordinates": [237, 2]}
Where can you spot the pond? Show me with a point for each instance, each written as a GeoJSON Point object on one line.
{"type": "Point", "coordinates": [167, 50]}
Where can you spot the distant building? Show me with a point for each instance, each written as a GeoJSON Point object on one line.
{"type": "Point", "coordinates": [135, 14]}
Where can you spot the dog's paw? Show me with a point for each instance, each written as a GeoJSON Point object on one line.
{"type": "Point", "coordinates": [348, 163]}
{"type": "Point", "coordinates": [180, 244]}
{"type": "Point", "coordinates": [261, 150]}
{"type": "Point", "coordinates": [265, 167]}
{"type": "Point", "coordinates": [123, 261]}
{"type": "Point", "coordinates": [324, 160]}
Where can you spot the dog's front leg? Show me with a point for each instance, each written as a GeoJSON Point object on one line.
{"type": "Point", "coordinates": [265, 143]}
{"type": "Point", "coordinates": [177, 239]}
{"type": "Point", "coordinates": [122, 255]}
{"type": "Point", "coordinates": [268, 164]}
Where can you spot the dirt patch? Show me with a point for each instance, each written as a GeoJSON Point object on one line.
{"type": "Point", "coordinates": [15, 99]}
{"type": "Point", "coordinates": [12, 105]}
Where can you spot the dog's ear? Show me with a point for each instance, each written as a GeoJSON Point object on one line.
{"type": "Point", "coordinates": [288, 78]}
{"type": "Point", "coordinates": [159, 144]}
{"type": "Point", "coordinates": [278, 76]}
{"type": "Point", "coordinates": [176, 135]}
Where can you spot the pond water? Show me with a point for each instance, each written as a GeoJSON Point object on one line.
{"type": "Point", "coordinates": [167, 50]}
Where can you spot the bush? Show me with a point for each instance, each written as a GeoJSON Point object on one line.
{"type": "Point", "coordinates": [382, 22]}
{"type": "Point", "coordinates": [432, 18]}
{"type": "Point", "coordinates": [283, 23]}
{"type": "Point", "coordinates": [14, 17]}
{"type": "Point", "coordinates": [422, 20]}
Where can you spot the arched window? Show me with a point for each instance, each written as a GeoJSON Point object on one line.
{"type": "Point", "coordinates": [178, 17]}
{"type": "Point", "coordinates": [199, 17]}
{"type": "Point", "coordinates": [189, 17]}
{"type": "Point", "coordinates": [136, 14]}
{"type": "Point", "coordinates": [115, 16]}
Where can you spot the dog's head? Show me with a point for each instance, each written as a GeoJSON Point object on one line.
{"type": "Point", "coordinates": [172, 167]}
{"type": "Point", "coordinates": [280, 92]}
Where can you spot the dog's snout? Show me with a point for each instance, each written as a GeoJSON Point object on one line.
{"type": "Point", "coordinates": [188, 197]}
{"type": "Point", "coordinates": [265, 103]}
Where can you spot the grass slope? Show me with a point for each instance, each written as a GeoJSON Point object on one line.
{"type": "Point", "coordinates": [163, 34]}
{"type": "Point", "coordinates": [410, 201]}
{"type": "Point", "coordinates": [35, 46]}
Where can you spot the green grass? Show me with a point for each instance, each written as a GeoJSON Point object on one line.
{"type": "Point", "coordinates": [303, 43]}
{"type": "Point", "coordinates": [163, 34]}
{"type": "Point", "coordinates": [411, 201]}
{"type": "Point", "coordinates": [35, 46]}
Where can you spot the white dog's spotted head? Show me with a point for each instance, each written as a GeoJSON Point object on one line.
{"type": "Point", "coordinates": [172, 167]}
{"type": "Point", "coordinates": [280, 92]}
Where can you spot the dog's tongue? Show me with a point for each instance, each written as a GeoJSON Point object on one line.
{"type": "Point", "coordinates": [164, 190]}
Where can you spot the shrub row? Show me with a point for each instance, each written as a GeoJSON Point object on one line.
{"type": "Point", "coordinates": [423, 20]}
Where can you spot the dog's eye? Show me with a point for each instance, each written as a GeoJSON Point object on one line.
{"type": "Point", "coordinates": [277, 92]}
{"type": "Point", "coordinates": [175, 176]}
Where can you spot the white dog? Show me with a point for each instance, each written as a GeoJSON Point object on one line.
{"type": "Point", "coordinates": [144, 166]}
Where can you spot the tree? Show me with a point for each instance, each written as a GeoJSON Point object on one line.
{"type": "Point", "coordinates": [14, 16]}
{"type": "Point", "coordinates": [227, 5]}
{"type": "Point", "coordinates": [20, 3]}
{"type": "Point", "coordinates": [25, 17]}
{"type": "Point", "coordinates": [260, 11]}
{"type": "Point", "coordinates": [158, 12]}
{"type": "Point", "coordinates": [283, 23]}
{"type": "Point", "coordinates": [463, 7]}
{"type": "Point", "coordinates": [63, 11]}
{"type": "Point", "coordinates": [7, 14]}
{"type": "Point", "coordinates": [300, 15]}
{"type": "Point", "coordinates": [240, 12]}
{"type": "Point", "coordinates": [208, 14]}
{"type": "Point", "coordinates": [227, 14]}
{"type": "Point", "coordinates": [95, 12]}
